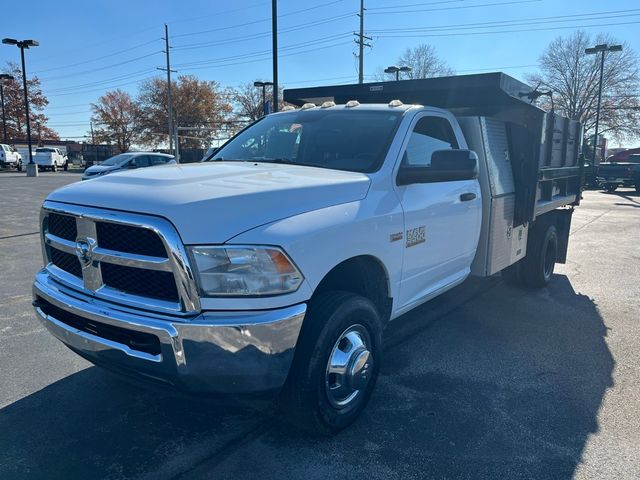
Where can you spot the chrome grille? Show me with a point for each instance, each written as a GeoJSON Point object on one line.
{"type": "Point", "coordinates": [127, 258]}
{"type": "Point", "coordinates": [63, 226]}
{"type": "Point", "coordinates": [125, 238]}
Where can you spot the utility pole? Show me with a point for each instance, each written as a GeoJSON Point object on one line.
{"type": "Point", "coordinates": [361, 44]}
{"type": "Point", "coordinates": [172, 131]}
{"type": "Point", "coordinates": [274, 35]}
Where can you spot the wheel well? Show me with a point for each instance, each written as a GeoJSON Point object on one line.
{"type": "Point", "coordinates": [363, 275]}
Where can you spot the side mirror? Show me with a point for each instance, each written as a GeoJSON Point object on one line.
{"type": "Point", "coordinates": [446, 166]}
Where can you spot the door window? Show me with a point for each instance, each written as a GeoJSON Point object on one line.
{"type": "Point", "coordinates": [429, 134]}
{"type": "Point", "coordinates": [157, 160]}
{"type": "Point", "coordinates": [141, 161]}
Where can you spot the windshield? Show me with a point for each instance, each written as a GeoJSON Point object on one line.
{"type": "Point", "coordinates": [118, 159]}
{"type": "Point", "coordinates": [45, 150]}
{"type": "Point", "coordinates": [338, 139]}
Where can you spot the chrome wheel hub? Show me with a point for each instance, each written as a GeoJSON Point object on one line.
{"type": "Point", "coordinates": [350, 366]}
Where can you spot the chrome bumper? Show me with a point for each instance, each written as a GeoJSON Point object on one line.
{"type": "Point", "coordinates": [213, 352]}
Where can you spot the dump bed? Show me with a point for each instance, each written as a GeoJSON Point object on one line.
{"type": "Point", "coordinates": [542, 147]}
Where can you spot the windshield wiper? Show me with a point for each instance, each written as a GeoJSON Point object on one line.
{"type": "Point", "coordinates": [285, 161]}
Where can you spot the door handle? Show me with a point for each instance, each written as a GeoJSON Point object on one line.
{"type": "Point", "coordinates": [466, 197]}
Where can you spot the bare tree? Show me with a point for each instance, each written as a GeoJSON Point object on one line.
{"type": "Point", "coordinates": [248, 99]}
{"type": "Point", "coordinates": [117, 119]}
{"type": "Point", "coordinates": [424, 62]}
{"type": "Point", "coordinates": [574, 77]}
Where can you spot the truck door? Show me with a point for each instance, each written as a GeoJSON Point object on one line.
{"type": "Point", "coordinates": [442, 219]}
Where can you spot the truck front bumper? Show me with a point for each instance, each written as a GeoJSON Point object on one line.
{"type": "Point", "coordinates": [247, 352]}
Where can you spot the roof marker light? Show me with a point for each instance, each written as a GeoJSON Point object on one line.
{"type": "Point", "coordinates": [287, 108]}
{"type": "Point", "coordinates": [395, 103]}
{"type": "Point", "coordinates": [328, 104]}
{"type": "Point", "coordinates": [307, 106]}
{"type": "Point", "coordinates": [352, 103]}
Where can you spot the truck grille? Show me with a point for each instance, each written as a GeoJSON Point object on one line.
{"type": "Point", "coordinates": [125, 238]}
{"type": "Point", "coordinates": [63, 226]}
{"type": "Point", "coordinates": [125, 258]}
{"type": "Point", "coordinates": [147, 283]}
{"type": "Point", "coordinates": [67, 262]}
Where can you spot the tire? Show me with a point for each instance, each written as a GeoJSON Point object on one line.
{"type": "Point", "coordinates": [638, 187]}
{"type": "Point", "coordinates": [537, 266]}
{"type": "Point", "coordinates": [54, 168]}
{"type": "Point", "coordinates": [610, 187]}
{"type": "Point", "coordinates": [19, 167]}
{"type": "Point", "coordinates": [66, 166]}
{"type": "Point", "coordinates": [316, 399]}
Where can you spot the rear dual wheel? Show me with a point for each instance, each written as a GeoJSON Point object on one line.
{"type": "Point", "coordinates": [336, 363]}
{"type": "Point", "coordinates": [536, 268]}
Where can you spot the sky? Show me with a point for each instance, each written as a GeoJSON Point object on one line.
{"type": "Point", "coordinates": [89, 47]}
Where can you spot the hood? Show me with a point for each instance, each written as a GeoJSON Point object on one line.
{"type": "Point", "coordinates": [213, 202]}
{"type": "Point", "coordinates": [96, 169]}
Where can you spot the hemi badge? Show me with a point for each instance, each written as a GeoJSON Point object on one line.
{"type": "Point", "coordinates": [394, 237]}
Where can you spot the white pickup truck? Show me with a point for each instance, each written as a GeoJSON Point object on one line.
{"type": "Point", "coordinates": [9, 157]}
{"type": "Point", "coordinates": [50, 158]}
{"type": "Point", "coordinates": [275, 266]}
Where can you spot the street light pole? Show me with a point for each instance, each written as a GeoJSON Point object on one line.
{"type": "Point", "coordinates": [274, 35]}
{"type": "Point", "coordinates": [26, 104]}
{"type": "Point", "coordinates": [602, 49]}
{"type": "Point", "coordinates": [32, 169]}
{"type": "Point", "coordinates": [263, 85]}
{"type": "Point", "coordinates": [397, 70]}
{"type": "Point", "coordinates": [3, 77]}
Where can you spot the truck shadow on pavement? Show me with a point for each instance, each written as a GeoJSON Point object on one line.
{"type": "Point", "coordinates": [486, 381]}
{"type": "Point", "coordinates": [507, 385]}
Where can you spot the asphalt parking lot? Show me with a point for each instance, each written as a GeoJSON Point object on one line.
{"type": "Point", "coordinates": [487, 381]}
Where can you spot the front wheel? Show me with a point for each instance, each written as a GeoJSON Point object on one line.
{"type": "Point", "coordinates": [19, 167]}
{"type": "Point", "coordinates": [611, 187]}
{"type": "Point", "coordinates": [336, 363]}
{"type": "Point", "coordinates": [66, 166]}
{"type": "Point", "coordinates": [638, 186]}
{"type": "Point", "coordinates": [54, 168]}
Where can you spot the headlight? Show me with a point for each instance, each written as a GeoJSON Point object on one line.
{"type": "Point", "coordinates": [244, 271]}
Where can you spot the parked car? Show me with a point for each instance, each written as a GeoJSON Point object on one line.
{"type": "Point", "coordinates": [275, 266]}
{"type": "Point", "coordinates": [9, 157]}
{"type": "Point", "coordinates": [620, 174]}
{"type": "Point", "coordinates": [127, 161]}
{"type": "Point", "coordinates": [50, 158]}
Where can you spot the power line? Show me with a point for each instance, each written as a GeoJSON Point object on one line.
{"type": "Point", "coordinates": [99, 89]}
{"type": "Point", "coordinates": [103, 68]}
{"type": "Point", "coordinates": [102, 82]}
{"type": "Point", "coordinates": [264, 34]}
{"type": "Point", "coordinates": [70, 113]}
{"type": "Point", "coordinates": [268, 57]}
{"type": "Point", "coordinates": [248, 55]}
{"type": "Point", "coordinates": [415, 4]}
{"type": "Point", "coordinates": [97, 58]}
{"type": "Point", "coordinates": [253, 22]}
{"type": "Point", "coordinates": [515, 22]}
{"type": "Point", "coordinates": [508, 31]}
{"type": "Point", "coordinates": [514, 2]}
